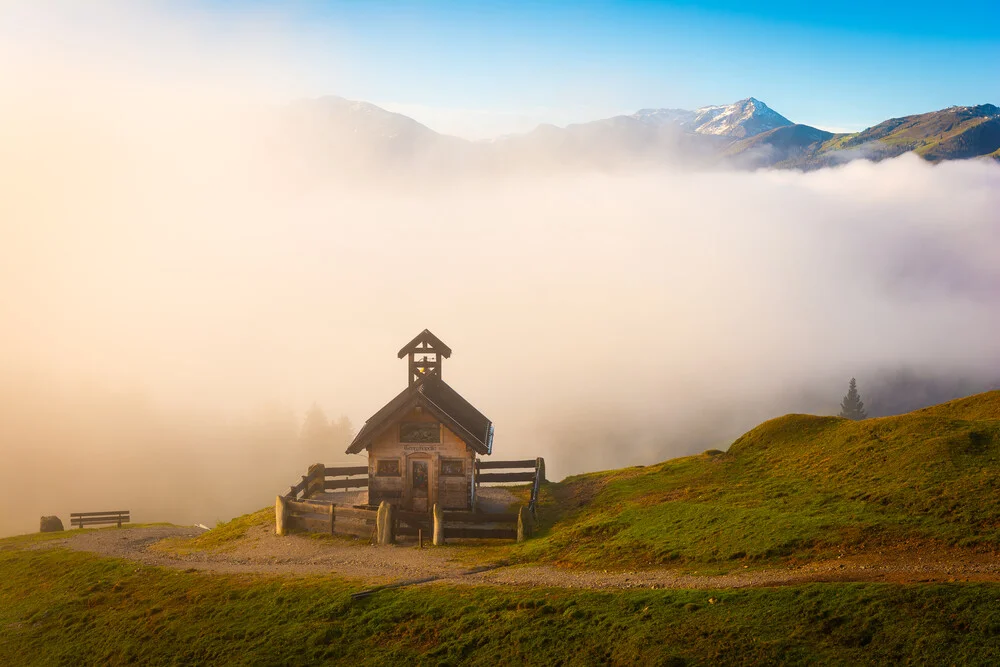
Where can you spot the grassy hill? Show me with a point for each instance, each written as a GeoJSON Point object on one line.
{"type": "Point", "coordinates": [948, 134]}
{"type": "Point", "coordinates": [794, 487]}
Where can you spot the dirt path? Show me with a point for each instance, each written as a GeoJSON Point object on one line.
{"type": "Point", "coordinates": [779, 576]}
{"type": "Point", "coordinates": [260, 551]}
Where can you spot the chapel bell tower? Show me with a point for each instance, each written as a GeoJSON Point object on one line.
{"type": "Point", "coordinates": [426, 352]}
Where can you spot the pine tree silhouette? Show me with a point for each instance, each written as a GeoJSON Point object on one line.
{"type": "Point", "coordinates": [852, 407]}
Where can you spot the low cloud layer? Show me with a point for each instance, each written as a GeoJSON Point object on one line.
{"type": "Point", "coordinates": [179, 282]}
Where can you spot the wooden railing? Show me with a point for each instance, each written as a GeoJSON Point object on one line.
{"type": "Point", "coordinates": [299, 489]}
{"type": "Point", "coordinates": [480, 525]}
{"type": "Point", "coordinates": [323, 516]}
{"type": "Point", "coordinates": [356, 477]}
{"type": "Point", "coordinates": [305, 508]}
{"type": "Point", "coordinates": [536, 475]}
{"type": "Point", "coordinates": [475, 525]}
{"type": "Point", "coordinates": [309, 515]}
{"type": "Point", "coordinates": [317, 480]}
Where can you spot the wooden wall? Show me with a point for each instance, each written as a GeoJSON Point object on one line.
{"type": "Point", "coordinates": [452, 492]}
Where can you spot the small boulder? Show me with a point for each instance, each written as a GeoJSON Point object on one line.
{"type": "Point", "coordinates": [51, 524]}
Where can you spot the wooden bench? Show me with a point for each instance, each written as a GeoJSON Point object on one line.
{"type": "Point", "coordinates": [81, 519]}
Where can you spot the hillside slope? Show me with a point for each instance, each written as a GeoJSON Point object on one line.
{"type": "Point", "coordinates": [949, 134]}
{"type": "Point", "coordinates": [798, 485]}
{"type": "Point", "coordinates": [777, 146]}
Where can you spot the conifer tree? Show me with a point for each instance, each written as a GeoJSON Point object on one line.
{"type": "Point", "coordinates": [316, 435]}
{"type": "Point", "coordinates": [852, 407]}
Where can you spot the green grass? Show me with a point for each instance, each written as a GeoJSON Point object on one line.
{"type": "Point", "coordinates": [222, 537]}
{"type": "Point", "coordinates": [61, 607]}
{"type": "Point", "coordinates": [938, 135]}
{"type": "Point", "coordinates": [19, 541]}
{"type": "Point", "coordinates": [795, 487]}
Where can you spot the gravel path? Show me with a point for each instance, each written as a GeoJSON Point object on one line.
{"type": "Point", "coordinates": [260, 551]}
{"type": "Point", "coordinates": [835, 570]}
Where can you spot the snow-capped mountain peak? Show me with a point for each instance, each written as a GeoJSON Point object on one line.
{"type": "Point", "coordinates": [738, 120]}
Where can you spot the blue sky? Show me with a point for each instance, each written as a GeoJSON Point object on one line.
{"type": "Point", "coordinates": [463, 66]}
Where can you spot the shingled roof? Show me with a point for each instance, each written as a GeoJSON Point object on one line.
{"type": "Point", "coordinates": [432, 393]}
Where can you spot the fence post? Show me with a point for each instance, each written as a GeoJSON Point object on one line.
{"type": "Point", "coordinates": [438, 525]}
{"type": "Point", "coordinates": [380, 522]}
{"type": "Point", "coordinates": [280, 514]}
{"type": "Point", "coordinates": [537, 485]}
{"type": "Point", "coordinates": [388, 534]}
{"type": "Point", "coordinates": [523, 524]}
{"type": "Point", "coordinates": [316, 480]}
{"type": "Point", "coordinates": [385, 523]}
{"type": "Point", "coordinates": [333, 518]}
{"type": "Point", "coordinates": [472, 485]}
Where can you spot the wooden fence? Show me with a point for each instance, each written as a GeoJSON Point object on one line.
{"type": "Point", "coordinates": [480, 525]}
{"type": "Point", "coordinates": [321, 478]}
{"type": "Point", "coordinates": [536, 475]}
{"type": "Point", "coordinates": [354, 477]}
{"type": "Point", "coordinates": [323, 516]}
{"type": "Point", "coordinates": [318, 480]}
{"type": "Point", "coordinates": [304, 508]}
{"type": "Point", "coordinates": [446, 525]}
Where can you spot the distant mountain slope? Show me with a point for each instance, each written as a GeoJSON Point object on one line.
{"type": "Point", "coordinates": [347, 118]}
{"type": "Point", "coordinates": [348, 138]}
{"type": "Point", "coordinates": [949, 134]}
{"type": "Point", "coordinates": [680, 117]}
{"type": "Point", "coordinates": [782, 144]}
{"type": "Point", "coordinates": [612, 142]}
{"type": "Point", "coordinates": [647, 137]}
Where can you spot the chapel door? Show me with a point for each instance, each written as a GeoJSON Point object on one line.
{"type": "Point", "coordinates": [418, 485]}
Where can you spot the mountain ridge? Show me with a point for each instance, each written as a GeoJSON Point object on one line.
{"type": "Point", "coordinates": [746, 134]}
